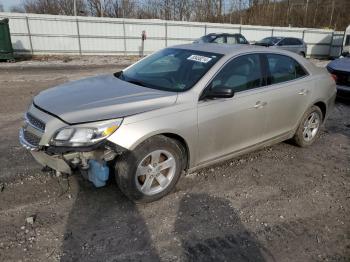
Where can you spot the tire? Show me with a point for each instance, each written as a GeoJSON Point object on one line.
{"type": "Point", "coordinates": [132, 164]}
{"type": "Point", "coordinates": [303, 137]}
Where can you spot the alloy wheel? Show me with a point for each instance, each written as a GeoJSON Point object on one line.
{"type": "Point", "coordinates": [311, 126]}
{"type": "Point", "coordinates": [155, 172]}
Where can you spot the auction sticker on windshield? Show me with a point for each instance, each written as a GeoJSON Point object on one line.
{"type": "Point", "coordinates": [199, 58]}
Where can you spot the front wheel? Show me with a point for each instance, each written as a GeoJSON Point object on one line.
{"type": "Point", "coordinates": [151, 170]}
{"type": "Point", "coordinates": [309, 127]}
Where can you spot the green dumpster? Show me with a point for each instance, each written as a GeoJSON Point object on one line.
{"type": "Point", "coordinates": [6, 50]}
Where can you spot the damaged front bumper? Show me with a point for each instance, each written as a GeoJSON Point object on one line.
{"type": "Point", "coordinates": [91, 161]}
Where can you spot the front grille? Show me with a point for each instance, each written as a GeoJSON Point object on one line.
{"type": "Point", "coordinates": [31, 138]}
{"type": "Point", "coordinates": [35, 122]}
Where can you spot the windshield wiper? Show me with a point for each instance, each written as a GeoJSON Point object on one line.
{"type": "Point", "coordinates": [121, 76]}
{"type": "Point", "coordinates": [136, 83]}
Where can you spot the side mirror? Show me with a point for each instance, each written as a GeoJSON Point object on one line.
{"type": "Point", "coordinates": [219, 92]}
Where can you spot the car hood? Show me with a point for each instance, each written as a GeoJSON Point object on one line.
{"type": "Point", "coordinates": [340, 64]}
{"type": "Point", "coordinates": [99, 98]}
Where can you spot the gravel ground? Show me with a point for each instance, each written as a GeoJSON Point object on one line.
{"type": "Point", "coordinates": [69, 61]}
{"type": "Point", "coordinates": [282, 203]}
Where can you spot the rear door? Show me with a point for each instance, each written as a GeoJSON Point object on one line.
{"type": "Point", "coordinates": [287, 44]}
{"type": "Point", "coordinates": [289, 87]}
{"type": "Point", "coordinates": [297, 46]}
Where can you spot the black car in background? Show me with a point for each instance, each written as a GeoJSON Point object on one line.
{"type": "Point", "coordinates": [223, 38]}
{"type": "Point", "coordinates": [340, 71]}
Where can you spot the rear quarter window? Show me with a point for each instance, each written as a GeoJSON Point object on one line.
{"type": "Point", "coordinates": [283, 68]}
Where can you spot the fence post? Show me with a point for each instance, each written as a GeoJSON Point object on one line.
{"type": "Point", "coordinates": [205, 29]}
{"type": "Point", "coordinates": [78, 35]}
{"type": "Point", "coordinates": [272, 32]}
{"type": "Point", "coordinates": [124, 36]}
{"type": "Point", "coordinates": [303, 35]}
{"type": "Point", "coordinates": [331, 45]}
{"type": "Point", "coordinates": [29, 36]}
{"type": "Point", "coordinates": [240, 29]}
{"type": "Point", "coordinates": [166, 34]}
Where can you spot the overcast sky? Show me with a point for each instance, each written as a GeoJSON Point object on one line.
{"type": "Point", "coordinates": [8, 3]}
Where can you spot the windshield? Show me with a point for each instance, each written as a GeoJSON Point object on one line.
{"type": "Point", "coordinates": [270, 40]}
{"type": "Point", "coordinates": [170, 69]}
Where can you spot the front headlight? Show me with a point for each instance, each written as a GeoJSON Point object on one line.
{"type": "Point", "coordinates": [86, 134]}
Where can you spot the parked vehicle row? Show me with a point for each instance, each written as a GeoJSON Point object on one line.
{"type": "Point", "coordinates": [291, 44]}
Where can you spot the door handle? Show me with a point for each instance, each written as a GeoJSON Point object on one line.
{"type": "Point", "coordinates": [260, 104]}
{"type": "Point", "coordinates": [303, 92]}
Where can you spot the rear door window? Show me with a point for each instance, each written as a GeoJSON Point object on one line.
{"type": "Point", "coordinates": [231, 40]}
{"type": "Point", "coordinates": [219, 40]}
{"type": "Point", "coordinates": [294, 41]}
{"type": "Point", "coordinates": [242, 40]}
{"type": "Point", "coordinates": [240, 74]}
{"type": "Point", "coordinates": [284, 42]}
{"type": "Point", "coordinates": [283, 68]}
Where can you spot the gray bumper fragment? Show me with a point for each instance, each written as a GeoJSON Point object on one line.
{"type": "Point", "coordinates": [53, 162]}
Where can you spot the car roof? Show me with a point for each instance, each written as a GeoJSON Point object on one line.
{"type": "Point", "coordinates": [218, 34]}
{"type": "Point", "coordinates": [283, 37]}
{"type": "Point", "coordinates": [223, 49]}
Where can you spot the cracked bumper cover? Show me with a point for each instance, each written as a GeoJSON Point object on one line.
{"type": "Point", "coordinates": [59, 158]}
{"type": "Point", "coordinates": [54, 162]}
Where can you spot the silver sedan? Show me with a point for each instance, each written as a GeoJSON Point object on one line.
{"type": "Point", "coordinates": [291, 44]}
{"type": "Point", "coordinates": [175, 111]}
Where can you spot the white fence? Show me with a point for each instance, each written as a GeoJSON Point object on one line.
{"type": "Point", "coordinates": [51, 34]}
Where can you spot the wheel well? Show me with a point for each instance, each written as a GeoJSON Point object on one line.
{"type": "Point", "coordinates": [323, 108]}
{"type": "Point", "coordinates": [184, 146]}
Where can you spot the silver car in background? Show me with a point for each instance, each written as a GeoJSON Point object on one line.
{"type": "Point", "coordinates": [292, 44]}
{"type": "Point", "coordinates": [175, 111]}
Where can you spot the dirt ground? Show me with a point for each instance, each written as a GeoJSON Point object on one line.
{"type": "Point", "coordinates": [282, 203]}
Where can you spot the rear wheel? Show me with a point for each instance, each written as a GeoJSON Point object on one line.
{"type": "Point", "coordinates": [151, 170]}
{"type": "Point", "coordinates": [309, 127]}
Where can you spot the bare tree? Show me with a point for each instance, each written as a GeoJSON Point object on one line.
{"type": "Point", "coordinates": [54, 7]}
{"type": "Point", "coordinates": [300, 13]}
{"type": "Point", "coordinates": [17, 9]}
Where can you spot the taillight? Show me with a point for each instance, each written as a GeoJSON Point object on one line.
{"type": "Point", "coordinates": [334, 77]}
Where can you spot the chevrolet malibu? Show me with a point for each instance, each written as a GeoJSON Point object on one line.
{"type": "Point", "coordinates": [175, 111]}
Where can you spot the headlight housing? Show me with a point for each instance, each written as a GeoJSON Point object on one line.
{"type": "Point", "coordinates": [86, 134]}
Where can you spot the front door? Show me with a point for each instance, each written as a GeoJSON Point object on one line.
{"type": "Point", "coordinates": [229, 125]}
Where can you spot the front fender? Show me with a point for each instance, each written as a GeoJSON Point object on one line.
{"type": "Point", "coordinates": [183, 124]}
